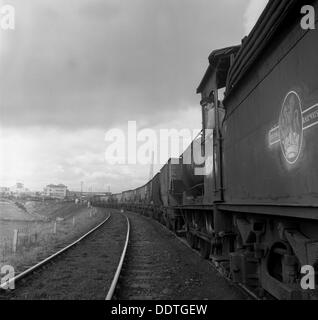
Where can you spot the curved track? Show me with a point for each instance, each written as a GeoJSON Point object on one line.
{"type": "Point", "coordinates": [51, 258]}
{"type": "Point", "coordinates": [155, 267]}
{"type": "Point", "coordinates": [98, 252]}
{"type": "Point", "coordinates": [120, 265]}
{"type": "Point", "coordinates": [158, 267]}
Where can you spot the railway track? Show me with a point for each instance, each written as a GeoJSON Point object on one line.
{"type": "Point", "coordinates": [143, 275]}
{"type": "Point", "coordinates": [158, 267]}
{"type": "Point", "coordinates": [85, 269]}
{"type": "Point", "coordinates": [151, 265]}
{"type": "Point", "coordinates": [114, 283]}
{"type": "Point", "coordinates": [50, 259]}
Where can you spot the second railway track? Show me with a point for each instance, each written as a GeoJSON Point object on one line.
{"type": "Point", "coordinates": [83, 270]}
{"type": "Point", "coordinates": [128, 258]}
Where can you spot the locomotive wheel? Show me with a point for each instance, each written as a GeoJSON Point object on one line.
{"type": "Point", "coordinates": [205, 249]}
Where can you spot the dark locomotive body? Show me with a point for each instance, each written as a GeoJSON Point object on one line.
{"type": "Point", "coordinates": [253, 205]}
{"type": "Point", "coordinates": [265, 227]}
{"type": "Point", "coordinates": [287, 64]}
{"type": "Point", "coordinates": [268, 105]}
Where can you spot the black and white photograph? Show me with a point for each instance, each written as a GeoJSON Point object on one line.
{"type": "Point", "coordinates": [158, 151]}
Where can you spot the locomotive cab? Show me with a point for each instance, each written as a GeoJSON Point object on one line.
{"type": "Point", "coordinates": [211, 89]}
{"type": "Point", "coordinates": [203, 221]}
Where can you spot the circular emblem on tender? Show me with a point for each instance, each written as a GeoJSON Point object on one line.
{"type": "Point", "coordinates": [291, 127]}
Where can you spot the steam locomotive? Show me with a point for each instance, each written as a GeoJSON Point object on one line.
{"type": "Point", "coordinates": [254, 211]}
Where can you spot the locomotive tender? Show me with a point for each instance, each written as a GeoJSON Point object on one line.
{"type": "Point", "coordinates": [255, 210]}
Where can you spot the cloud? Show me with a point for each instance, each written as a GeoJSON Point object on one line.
{"type": "Point", "coordinates": [38, 156]}
{"type": "Point", "coordinates": [252, 13]}
{"type": "Point", "coordinates": [88, 63]}
{"type": "Point", "coordinates": [73, 69]}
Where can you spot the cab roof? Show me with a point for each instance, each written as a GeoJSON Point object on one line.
{"type": "Point", "coordinates": [274, 17]}
{"type": "Point", "coordinates": [219, 61]}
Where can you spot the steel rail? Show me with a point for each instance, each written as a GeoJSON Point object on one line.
{"type": "Point", "coordinates": [113, 285]}
{"type": "Point", "coordinates": [50, 258]}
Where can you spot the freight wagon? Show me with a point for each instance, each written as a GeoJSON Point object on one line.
{"type": "Point", "coordinates": [171, 189]}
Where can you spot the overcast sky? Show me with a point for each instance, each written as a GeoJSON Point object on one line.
{"type": "Point", "coordinates": [71, 70]}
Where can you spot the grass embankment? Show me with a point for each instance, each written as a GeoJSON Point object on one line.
{"type": "Point", "coordinates": [38, 237]}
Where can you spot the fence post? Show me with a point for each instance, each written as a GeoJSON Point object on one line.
{"type": "Point", "coordinates": [73, 221]}
{"type": "Point", "coordinates": [54, 227]}
{"type": "Point", "coordinates": [15, 240]}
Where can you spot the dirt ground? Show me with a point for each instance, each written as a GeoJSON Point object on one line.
{"type": "Point", "coordinates": [160, 267]}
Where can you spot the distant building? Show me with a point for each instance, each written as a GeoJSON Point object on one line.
{"type": "Point", "coordinates": [56, 191]}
